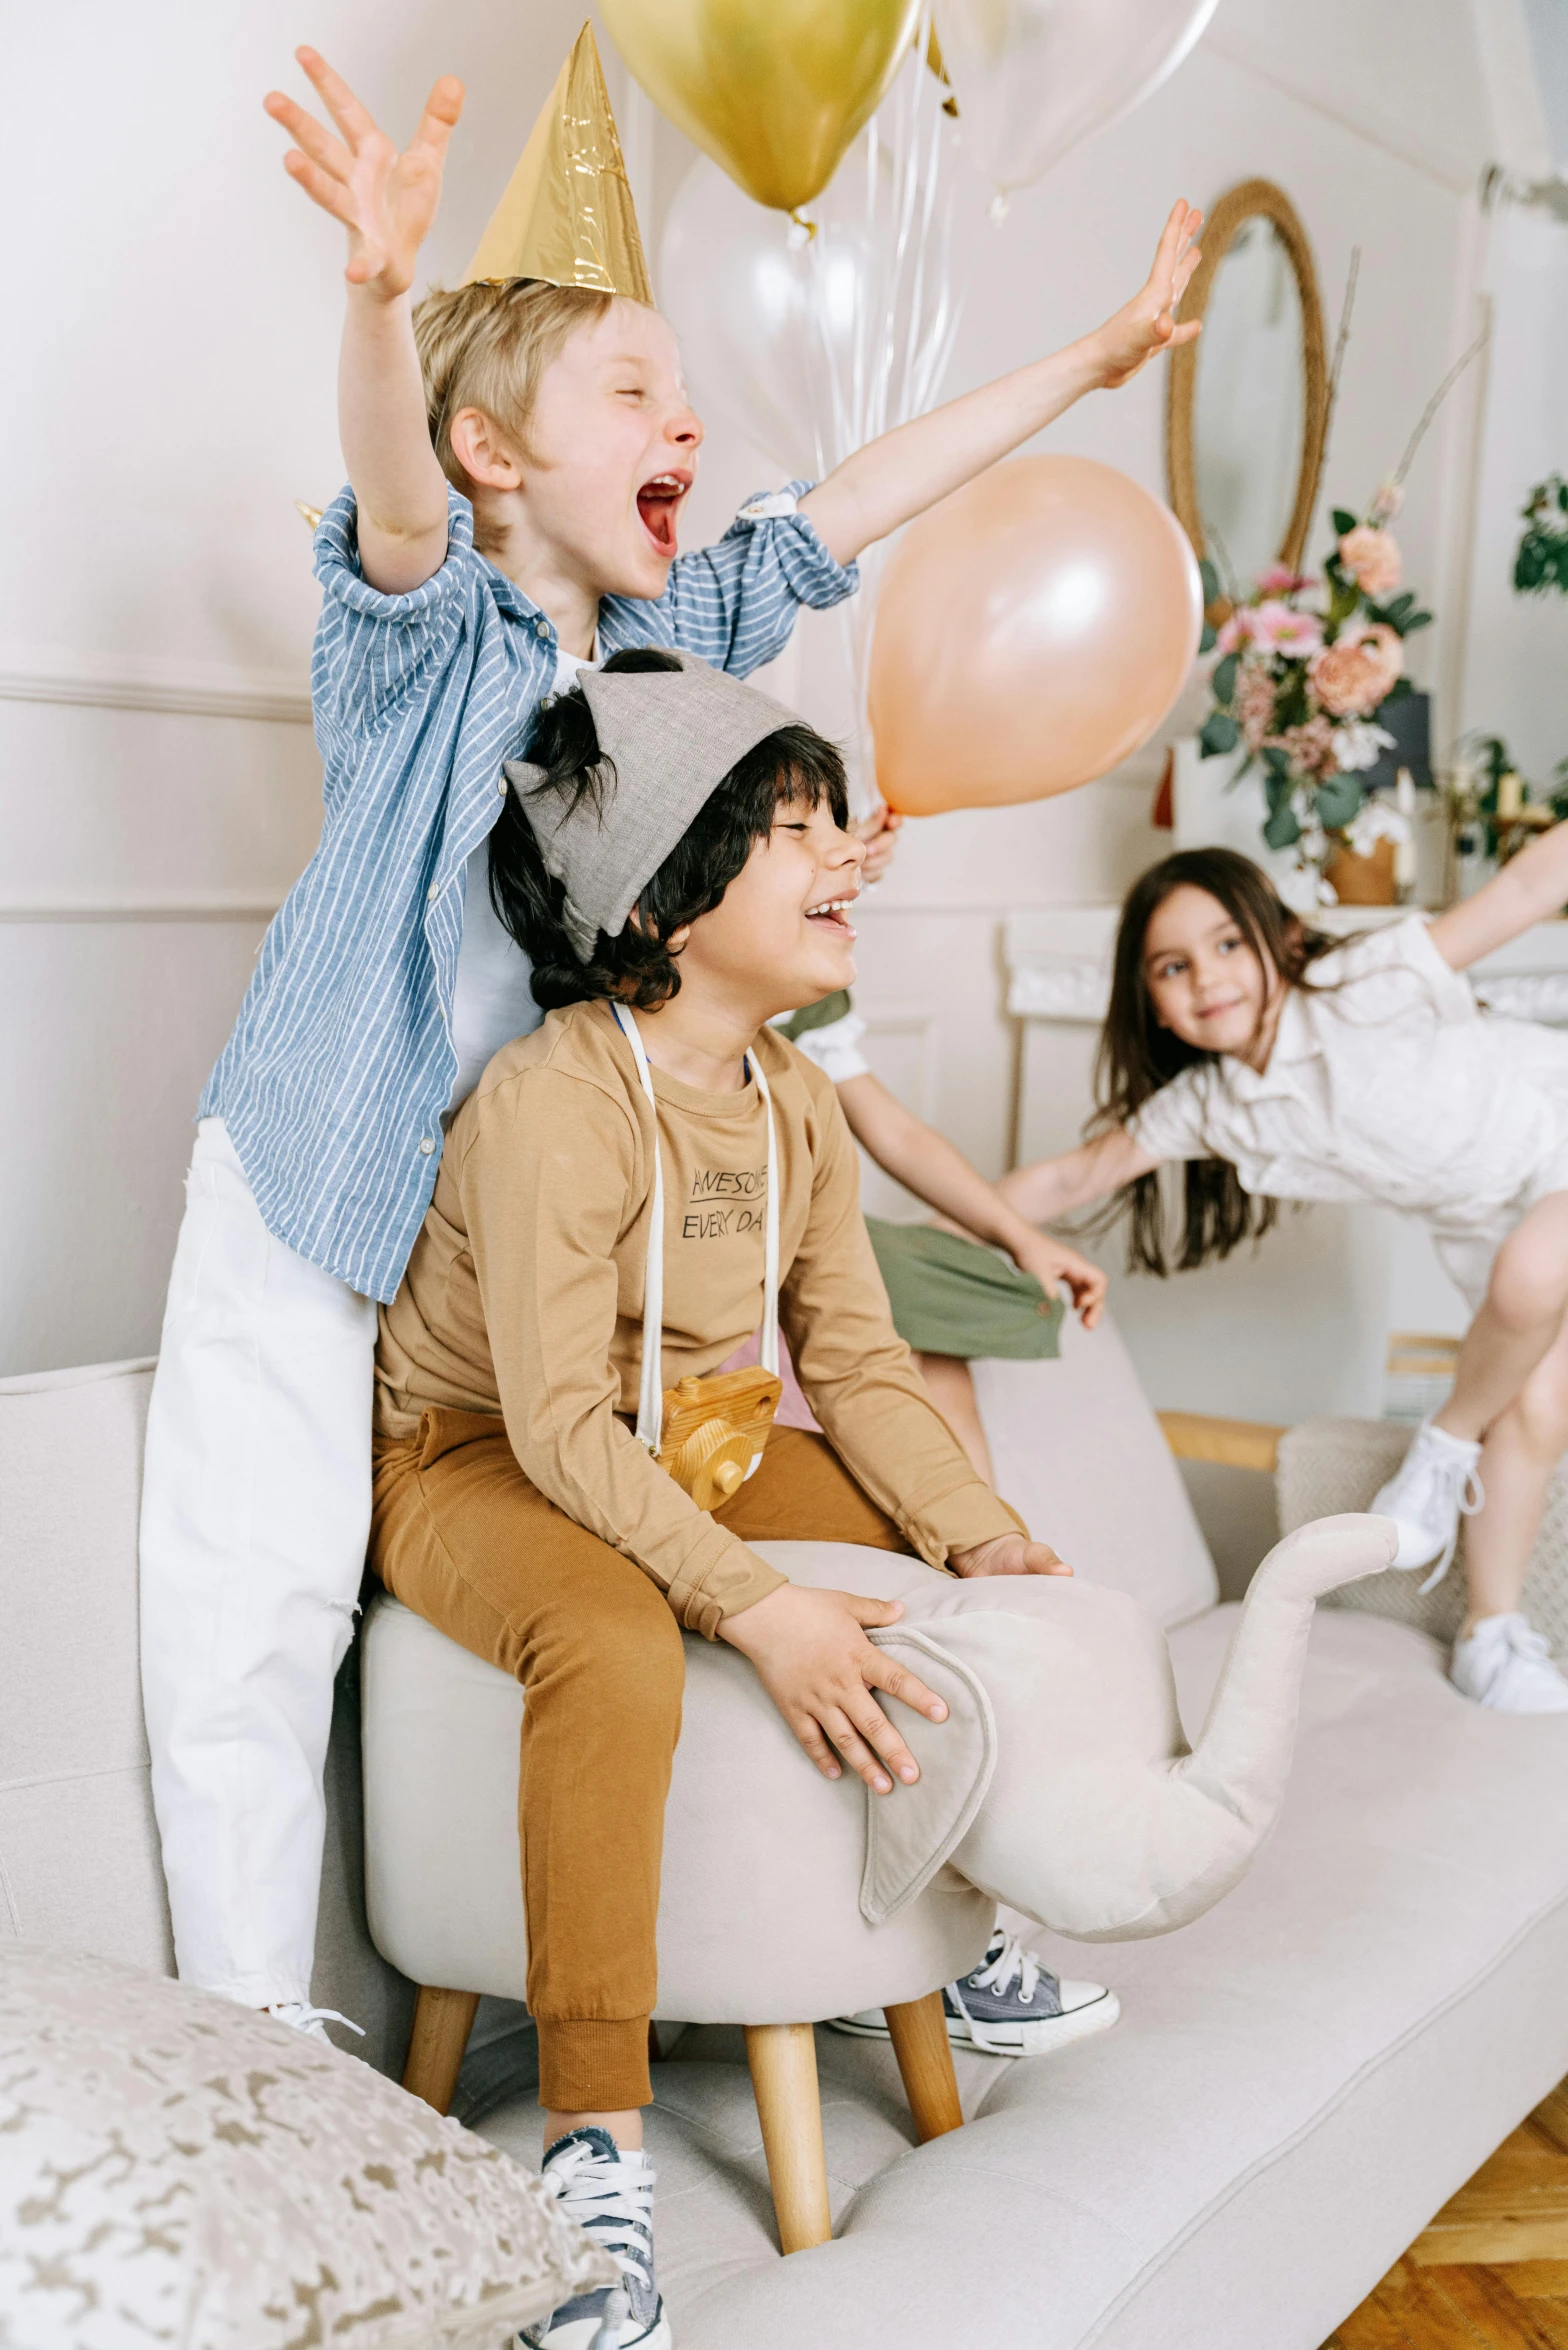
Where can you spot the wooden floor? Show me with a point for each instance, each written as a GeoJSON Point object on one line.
{"type": "Point", "coordinates": [1491, 2272]}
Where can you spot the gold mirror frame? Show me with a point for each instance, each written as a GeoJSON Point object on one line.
{"type": "Point", "coordinates": [1239, 204]}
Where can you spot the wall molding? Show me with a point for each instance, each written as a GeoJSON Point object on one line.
{"type": "Point", "coordinates": [128, 906]}
{"type": "Point", "coordinates": [184, 689]}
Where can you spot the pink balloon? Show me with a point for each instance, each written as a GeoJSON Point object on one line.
{"type": "Point", "coordinates": [1031, 631]}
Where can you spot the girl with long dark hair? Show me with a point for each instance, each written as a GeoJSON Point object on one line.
{"type": "Point", "coordinates": [1272, 1063]}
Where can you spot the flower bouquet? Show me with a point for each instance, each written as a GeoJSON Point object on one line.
{"type": "Point", "coordinates": [1304, 667]}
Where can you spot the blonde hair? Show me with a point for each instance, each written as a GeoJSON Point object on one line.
{"type": "Point", "coordinates": [487, 346]}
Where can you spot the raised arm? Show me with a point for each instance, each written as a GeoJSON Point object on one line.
{"type": "Point", "coordinates": [1530, 888]}
{"type": "Point", "coordinates": [907, 470]}
{"type": "Point", "coordinates": [1054, 1187]}
{"type": "Point", "coordinates": [386, 201]}
{"type": "Point", "coordinates": [927, 1164]}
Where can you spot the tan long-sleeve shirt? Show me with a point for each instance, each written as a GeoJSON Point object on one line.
{"type": "Point", "coordinates": [524, 1296]}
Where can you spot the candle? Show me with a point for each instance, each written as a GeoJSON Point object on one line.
{"type": "Point", "coordinates": [1405, 845]}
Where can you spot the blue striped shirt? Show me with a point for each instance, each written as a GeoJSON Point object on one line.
{"type": "Point", "coordinates": [340, 1064]}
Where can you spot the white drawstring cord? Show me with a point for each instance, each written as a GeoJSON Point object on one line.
{"type": "Point", "coordinates": [650, 1386]}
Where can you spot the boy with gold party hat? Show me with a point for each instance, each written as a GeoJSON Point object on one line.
{"type": "Point", "coordinates": [518, 450]}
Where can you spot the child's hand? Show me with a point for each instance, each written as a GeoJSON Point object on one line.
{"type": "Point", "coordinates": [879, 831]}
{"type": "Point", "coordinates": [1007, 1554]}
{"type": "Point", "coordinates": [1147, 323]}
{"type": "Point", "coordinates": [813, 1658]}
{"type": "Point", "coordinates": [385, 200]}
{"type": "Point", "coordinates": [1051, 1264]}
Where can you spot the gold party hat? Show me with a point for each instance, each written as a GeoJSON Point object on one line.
{"type": "Point", "coordinates": [567, 214]}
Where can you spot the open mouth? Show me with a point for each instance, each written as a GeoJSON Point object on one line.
{"type": "Point", "coordinates": [833, 915]}
{"type": "Point", "coordinates": [659, 504]}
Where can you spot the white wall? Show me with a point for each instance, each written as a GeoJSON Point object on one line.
{"type": "Point", "coordinates": [157, 780]}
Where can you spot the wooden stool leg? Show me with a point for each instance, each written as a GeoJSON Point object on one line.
{"type": "Point", "coordinates": [442, 2023]}
{"type": "Point", "coordinates": [925, 2060]}
{"type": "Point", "coordinates": [783, 2060]}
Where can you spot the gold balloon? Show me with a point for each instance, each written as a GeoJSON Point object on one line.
{"type": "Point", "coordinates": [774, 90]}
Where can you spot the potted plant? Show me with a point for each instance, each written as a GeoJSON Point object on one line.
{"type": "Point", "coordinates": [1304, 670]}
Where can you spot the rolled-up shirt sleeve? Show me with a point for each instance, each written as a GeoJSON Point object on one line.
{"type": "Point", "coordinates": [369, 646]}
{"type": "Point", "coordinates": [545, 1183]}
{"type": "Point", "coordinates": [1172, 1124]}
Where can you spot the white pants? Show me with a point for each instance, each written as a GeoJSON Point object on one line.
{"type": "Point", "coordinates": [255, 1516]}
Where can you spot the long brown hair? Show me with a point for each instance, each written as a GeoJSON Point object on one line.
{"type": "Point", "coordinates": [1137, 1056]}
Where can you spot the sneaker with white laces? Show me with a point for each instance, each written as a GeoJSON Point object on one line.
{"type": "Point", "coordinates": [1505, 1665]}
{"type": "Point", "coordinates": [1433, 1488]}
{"type": "Point", "coordinates": [611, 2195]}
{"type": "Point", "coordinates": [312, 2021]}
{"type": "Point", "coordinates": [1010, 2005]}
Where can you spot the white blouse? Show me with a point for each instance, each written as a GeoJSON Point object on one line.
{"type": "Point", "coordinates": [1387, 1082]}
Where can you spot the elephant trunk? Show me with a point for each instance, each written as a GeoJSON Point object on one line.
{"type": "Point", "coordinates": [1226, 1794]}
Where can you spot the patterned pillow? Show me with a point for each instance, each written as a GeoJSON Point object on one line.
{"type": "Point", "coordinates": [176, 2170]}
{"type": "Point", "coordinates": [1331, 1465]}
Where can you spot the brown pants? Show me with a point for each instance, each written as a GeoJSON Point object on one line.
{"type": "Point", "coordinates": [460, 1535]}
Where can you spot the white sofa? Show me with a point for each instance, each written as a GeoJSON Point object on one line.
{"type": "Point", "coordinates": [1297, 2082]}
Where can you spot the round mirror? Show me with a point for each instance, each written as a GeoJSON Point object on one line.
{"type": "Point", "coordinates": [1247, 400]}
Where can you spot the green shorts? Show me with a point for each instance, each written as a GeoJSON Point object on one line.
{"type": "Point", "coordinates": [952, 1296]}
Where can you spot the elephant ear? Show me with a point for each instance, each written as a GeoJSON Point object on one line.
{"type": "Point", "coordinates": [910, 1833]}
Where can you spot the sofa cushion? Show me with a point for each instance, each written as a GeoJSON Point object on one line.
{"type": "Point", "coordinates": [176, 2169]}
{"type": "Point", "coordinates": [1329, 1465]}
{"type": "Point", "coordinates": [1081, 1457]}
{"type": "Point", "coordinates": [79, 1861]}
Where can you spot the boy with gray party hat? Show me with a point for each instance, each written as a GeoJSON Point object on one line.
{"type": "Point", "coordinates": [627, 1195]}
{"type": "Point", "coordinates": [519, 450]}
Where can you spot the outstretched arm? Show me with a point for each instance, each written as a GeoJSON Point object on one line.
{"type": "Point", "coordinates": [894, 478]}
{"type": "Point", "coordinates": [927, 1164]}
{"type": "Point", "coordinates": [387, 202]}
{"type": "Point", "coordinates": [1054, 1187]}
{"type": "Point", "coordinates": [1530, 888]}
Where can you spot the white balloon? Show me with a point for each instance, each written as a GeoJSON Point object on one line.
{"type": "Point", "coordinates": [809, 348]}
{"type": "Point", "coordinates": [1034, 77]}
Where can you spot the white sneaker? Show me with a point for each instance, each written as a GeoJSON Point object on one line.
{"type": "Point", "coordinates": [1505, 1665]}
{"type": "Point", "coordinates": [312, 2021]}
{"type": "Point", "coordinates": [1433, 1488]}
{"type": "Point", "coordinates": [609, 2194]}
{"type": "Point", "coordinates": [1010, 2005]}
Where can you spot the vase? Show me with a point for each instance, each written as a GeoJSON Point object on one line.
{"type": "Point", "coordinates": [1362, 881]}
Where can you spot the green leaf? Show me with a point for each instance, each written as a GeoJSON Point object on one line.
{"type": "Point", "coordinates": [1282, 831]}
{"type": "Point", "coordinates": [1211, 581]}
{"type": "Point", "coordinates": [1224, 679]}
{"type": "Point", "coordinates": [1343, 521]}
{"type": "Point", "coordinates": [1208, 640]}
{"type": "Point", "coordinates": [1338, 801]}
{"type": "Point", "coordinates": [1276, 789]}
{"type": "Point", "coordinates": [1415, 621]}
{"type": "Point", "coordinates": [1220, 734]}
{"type": "Point", "coordinates": [1399, 691]}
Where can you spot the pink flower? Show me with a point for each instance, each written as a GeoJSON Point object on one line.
{"type": "Point", "coordinates": [1277, 579]}
{"type": "Point", "coordinates": [1351, 676]}
{"type": "Point", "coordinates": [1312, 748]}
{"type": "Point", "coordinates": [1372, 559]}
{"type": "Point", "coordinates": [1253, 705]}
{"type": "Point", "coordinates": [1236, 632]}
{"type": "Point", "coordinates": [1282, 629]}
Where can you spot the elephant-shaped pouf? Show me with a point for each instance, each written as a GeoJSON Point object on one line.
{"type": "Point", "coordinates": [1061, 1785]}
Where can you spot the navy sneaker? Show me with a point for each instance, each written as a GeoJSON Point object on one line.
{"type": "Point", "coordinates": [1009, 2006]}
{"type": "Point", "coordinates": [611, 2195]}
